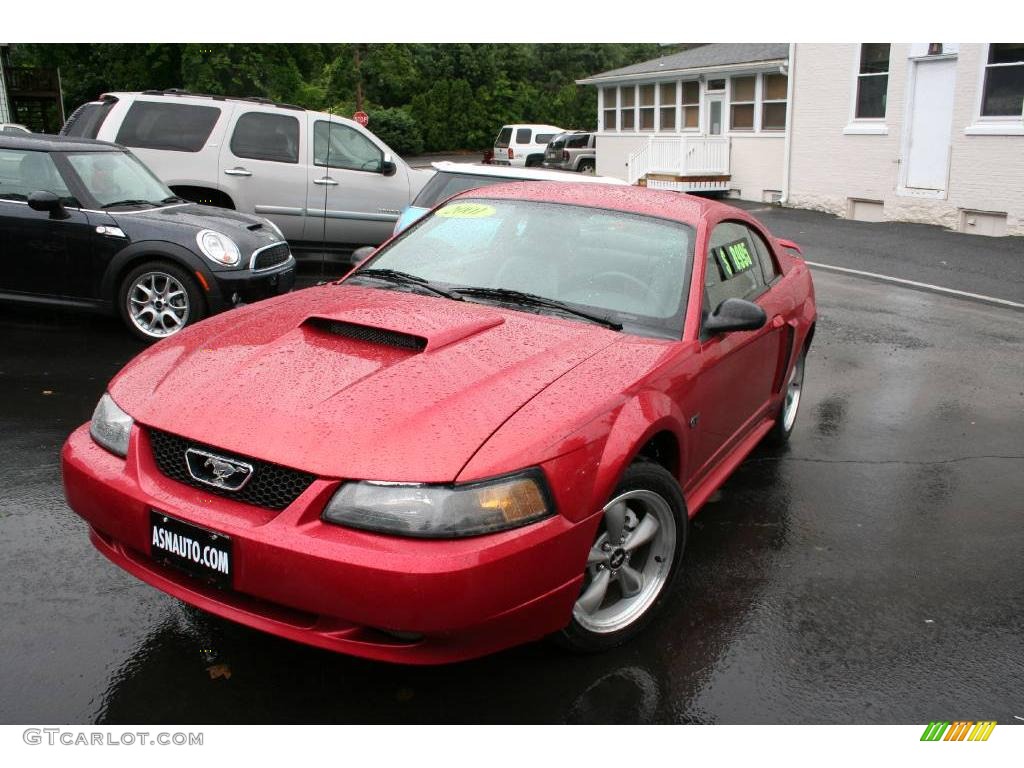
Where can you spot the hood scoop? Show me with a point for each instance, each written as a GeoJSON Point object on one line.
{"type": "Point", "coordinates": [368, 334]}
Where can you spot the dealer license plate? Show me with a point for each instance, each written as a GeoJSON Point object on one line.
{"type": "Point", "coordinates": [203, 554]}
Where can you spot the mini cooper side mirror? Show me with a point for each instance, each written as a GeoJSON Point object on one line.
{"type": "Point", "coordinates": [387, 166]}
{"type": "Point", "coordinates": [735, 315]}
{"type": "Point", "coordinates": [359, 254]}
{"type": "Point", "coordinates": [47, 201]}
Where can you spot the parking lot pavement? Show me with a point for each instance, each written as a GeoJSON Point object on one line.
{"type": "Point", "coordinates": [991, 266]}
{"type": "Point", "coordinates": [870, 573]}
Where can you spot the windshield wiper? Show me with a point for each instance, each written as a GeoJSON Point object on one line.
{"type": "Point", "coordinates": [128, 202]}
{"type": "Point", "coordinates": [532, 299]}
{"type": "Point", "coordinates": [173, 199]}
{"type": "Point", "coordinates": [404, 278]}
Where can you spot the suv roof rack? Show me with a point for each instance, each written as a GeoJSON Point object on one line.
{"type": "Point", "coordinates": [216, 97]}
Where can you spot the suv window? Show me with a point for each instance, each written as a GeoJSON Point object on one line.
{"type": "Point", "coordinates": [158, 125]}
{"type": "Point", "coordinates": [504, 137]}
{"type": "Point", "coordinates": [347, 148]}
{"type": "Point", "coordinates": [523, 135]}
{"type": "Point", "coordinates": [543, 138]}
{"type": "Point", "coordinates": [579, 141]}
{"type": "Point", "coordinates": [265, 136]}
{"type": "Point", "coordinates": [23, 172]}
{"type": "Point", "coordinates": [87, 119]}
{"type": "Point", "coordinates": [733, 269]}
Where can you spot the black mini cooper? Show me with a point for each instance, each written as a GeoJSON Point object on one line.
{"type": "Point", "coordinates": [85, 223]}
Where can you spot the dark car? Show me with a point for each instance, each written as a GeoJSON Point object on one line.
{"type": "Point", "coordinates": [84, 223]}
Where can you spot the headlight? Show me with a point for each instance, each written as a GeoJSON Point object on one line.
{"type": "Point", "coordinates": [441, 511]}
{"type": "Point", "coordinates": [274, 228]}
{"type": "Point", "coordinates": [111, 426]}
{"type": "Point", "coordinates": [218, 248]}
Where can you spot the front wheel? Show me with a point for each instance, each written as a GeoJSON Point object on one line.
{"type": "Point", "coordinates": [634, 562]}
{"type": "Point", "coordinates": [786, 420]}
{"type": "Point", "coordinates": [158, 299]}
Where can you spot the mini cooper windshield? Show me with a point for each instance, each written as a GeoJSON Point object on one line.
{"type": "Point", "coordinates": [618, 269]}
{"type": "Point", "coordinates": [118, 178]}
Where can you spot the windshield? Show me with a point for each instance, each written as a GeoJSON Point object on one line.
{"type": "Point", "coordinates": [114, 177]}
{"type": "Point", "coordinates": [443, 185]}
{"type": "Point", "coordinates": [629, 268]}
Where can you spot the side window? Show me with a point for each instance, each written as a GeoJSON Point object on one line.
{"type": "Point", "coordinates": [338, 146]}
{"type": "Point", "coordinates": [23, 172]}
{"type": "Point", "coordinates": [764, 256]}
{"type": "Point", "coordinates": [523, 135]}
{"type": "Point", "coordinates": [732, 271]}
{"type": "Point", "coordinates": [578, 142]}
{"type": "Point", "coordinates": [265, 136]}
{"type": "Point", "coordinates": [543, 138]}
{"type": "Point", "coordinates": [160, 125]}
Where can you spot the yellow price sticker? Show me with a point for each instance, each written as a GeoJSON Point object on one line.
{"type": "Point", "coordinates": [466, 211]}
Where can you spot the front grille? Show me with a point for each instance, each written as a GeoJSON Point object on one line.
{"type": "Point", "coordinates": [271, 257]}
{"type": "Point", "coordinates": [271, 486]}
{"type": "Point", "coordinates": [369, 334]}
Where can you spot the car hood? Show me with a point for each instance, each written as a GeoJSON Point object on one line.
{"type": "Point", "coordinates": [354, 382]}
{"type": "Point", "coordinates": [238, 226]}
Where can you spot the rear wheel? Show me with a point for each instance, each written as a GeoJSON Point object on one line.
{"type": "Point", "coordinates": [587, 167]}
{"type": "Point", "coordinates": [158, 299]}
{"type": "Point", "coordinates": [634, 562]}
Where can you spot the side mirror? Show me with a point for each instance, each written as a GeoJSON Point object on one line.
{"type": "Point", "coordinates": [47, 201]}
{"type": "Point", "coordinates": [359, 254]}
{"type": "Point", "coordinates": [735, 315]}
{"type": "Point", "coordinates": [388, 166]}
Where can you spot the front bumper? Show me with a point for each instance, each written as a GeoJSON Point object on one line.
{"type": "Point", "coordinates": [246, 286]}
{"type": "Point", "coordinates": [329, 586]}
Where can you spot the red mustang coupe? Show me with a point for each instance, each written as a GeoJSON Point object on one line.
{"type": "Point", "coordinates": [494, 429]}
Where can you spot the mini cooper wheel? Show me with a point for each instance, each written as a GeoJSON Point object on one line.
{"type": "Point", "coordinates": [633, 564]}
{"type": "Point", "coordinates": [158, 299]}
{"type": "Point", "coordinates": [790, 403]}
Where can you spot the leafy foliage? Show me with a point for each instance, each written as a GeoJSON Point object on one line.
{"type": "Point", "coordinates": [420, 96]}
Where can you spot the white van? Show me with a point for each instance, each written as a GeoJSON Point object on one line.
{"type": "Point", "coordinates": [322, 179]}
{"type": "Point", "coordinates": [523, 145]}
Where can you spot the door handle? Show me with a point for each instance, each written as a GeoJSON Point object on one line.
{"type": "Point", "coordinates": [325, 181]}
{"type": "Point", "coordinates": [237, 172]}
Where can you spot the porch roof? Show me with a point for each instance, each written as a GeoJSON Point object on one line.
{"type": "Point", "coordinates": [708, 57]}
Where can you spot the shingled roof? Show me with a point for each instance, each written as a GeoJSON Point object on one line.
{"type": "Point", "coordinates": [708, 55]}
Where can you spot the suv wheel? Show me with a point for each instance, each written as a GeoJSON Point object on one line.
{"type": "Point", "coordinates": [158, 299]}
{"type": "Point", "coordinates": [587, 166]}
{"type": "Point", "coordinates": [634, 562]}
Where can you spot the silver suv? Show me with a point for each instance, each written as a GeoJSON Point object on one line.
{"type": "Point", "coordinates": [572, 151]}
{"type": "Point", "coordinates": [327, 182]}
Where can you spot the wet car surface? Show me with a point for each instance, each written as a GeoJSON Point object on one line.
{"type": "Point", "coordinates": [870, 572]}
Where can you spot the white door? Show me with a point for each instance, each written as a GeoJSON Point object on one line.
{"type": "Point", "coordinates": [931, 124]}
{"type": "Point", "coordinates": [715, 123]}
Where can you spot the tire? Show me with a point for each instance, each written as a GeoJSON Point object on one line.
{"type": "Point", "coordinates": [786, 420]}
{"type": "Point", "coordinates": [605, 617]}
{"type": "Point", "coordinates": [178, 303]}
{"type": "Point", "coordinates": [587, 167]}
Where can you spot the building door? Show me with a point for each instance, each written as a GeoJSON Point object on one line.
{"type": "Point", "coordinates": [714, 126]}
{"type": "Point", "coordinates": [930, 125]}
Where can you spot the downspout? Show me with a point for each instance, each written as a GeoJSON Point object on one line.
{"type": "Point", "coordinates": [787, 152]}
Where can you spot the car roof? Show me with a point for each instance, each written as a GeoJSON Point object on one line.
{"type": "Point", "coordinates": [538, 126]}
{"type": "Point", "coordinates": [688, 209]}
{"type": "Point", "coordinates": [526, 174]}
{"type": "Point", "coordinates": [45, 142]}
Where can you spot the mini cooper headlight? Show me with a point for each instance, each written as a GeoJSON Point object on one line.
{"type": "Point", "coordinates": [442, 511]}
{"type": "Point", "coordinates": [218, 248]}
{"type": "Point", "coordinates": [111, 426]}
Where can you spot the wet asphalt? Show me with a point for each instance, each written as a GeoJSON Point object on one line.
{"type": "Point", "coordinates": [871, 572]}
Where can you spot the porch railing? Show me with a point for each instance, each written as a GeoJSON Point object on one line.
{"type": "Point", "coordinates": [680, 156]}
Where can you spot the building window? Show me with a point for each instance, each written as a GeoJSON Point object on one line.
{"type": "Point", "coordinates": [667, 113]}
{"type": "Point", "coordinates": [611, 108]}
{"type": "Point", "coordinates": [773, 102]}
{"type": "Point", "coordinates": [872, 81]}
{"type": "Point", "coordinates": [626, 118]}
{"type": "Point", "coordinates": [716, 85]}
{"type": "Point", "coordinates": [647, 107]}
{"type": "Point", "coordinates": [1003, 94]}
{"type": "Point", "coordinates": [691, 105]}
{"type": "Point", "coordinates": [741, 116]}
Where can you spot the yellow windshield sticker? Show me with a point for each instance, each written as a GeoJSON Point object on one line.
{"type": "Point", "coordinates": [466, 211]}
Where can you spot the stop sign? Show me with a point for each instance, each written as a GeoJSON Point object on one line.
{"type": "Point", "coordinates": [362, 118]}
